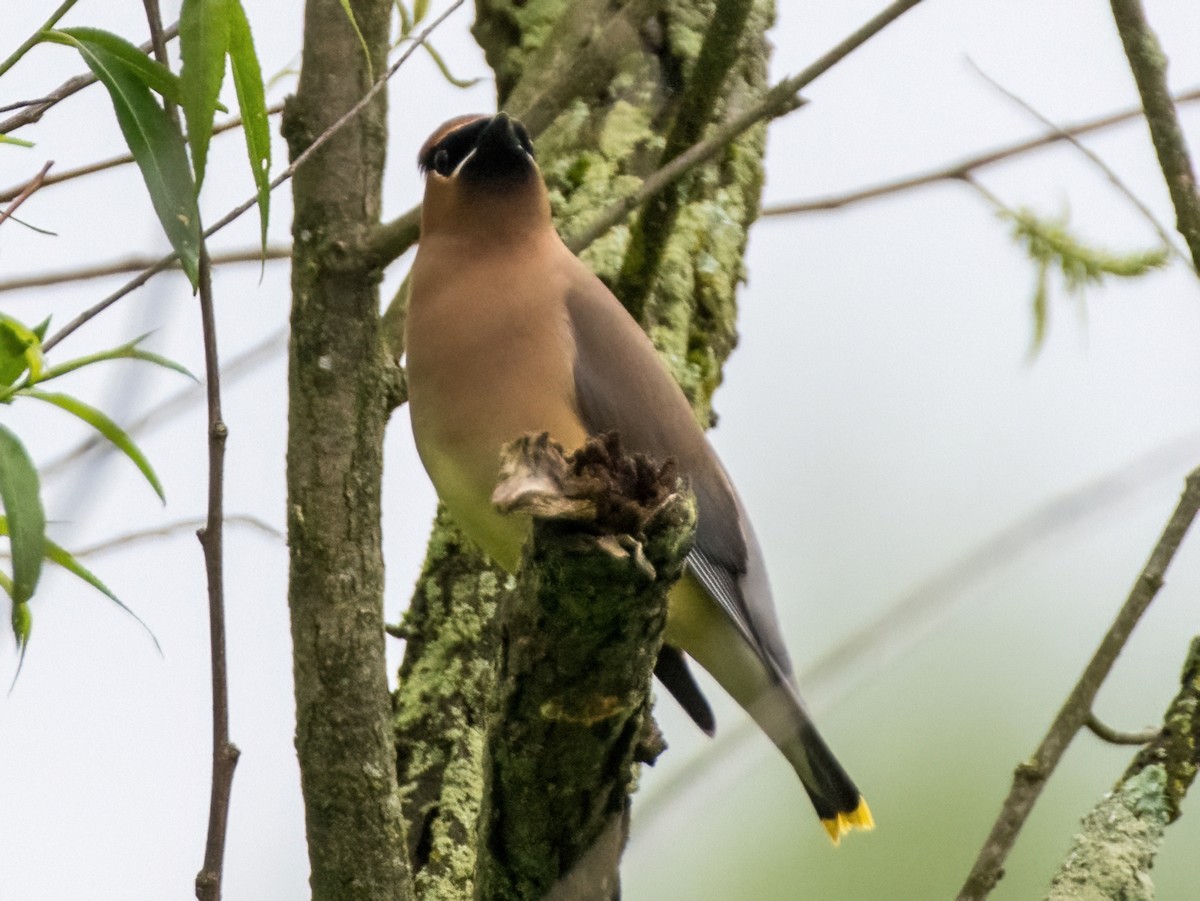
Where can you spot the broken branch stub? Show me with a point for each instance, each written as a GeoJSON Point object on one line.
{"type": "Point", "coordinates": [579, 639]}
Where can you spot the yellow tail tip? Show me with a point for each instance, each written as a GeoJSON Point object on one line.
{"type": "Point", "coordinates": [858, 818]}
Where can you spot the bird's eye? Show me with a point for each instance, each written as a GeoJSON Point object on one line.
{"type": "Point", "coordinates": [441, 162]}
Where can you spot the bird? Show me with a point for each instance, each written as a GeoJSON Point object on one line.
{"type": "Point", "coordinates": [509, 333]}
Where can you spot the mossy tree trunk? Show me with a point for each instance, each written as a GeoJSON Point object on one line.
{"type": "Point", "coordinates": [338, 407]}
{"type": "Point", "coordinates": [596, 139]}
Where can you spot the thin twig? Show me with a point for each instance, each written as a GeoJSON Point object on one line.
{"type": "Point", "coordinates": [136, 264]}
{"type": "Point", "coordinates": [224, 752]}
{"type": "Point", "coordinates": [777, 101]}
{"type": "Point", "coordinates": [129, 539]}
{"type": "Point", "coordinates": [1115, 180]}
{"type": "Point", "coordinates": [318, 142]}
{"type": "Point", "coordinates": [123, 160]}
{"type": "Point", "coordinates": [957, 171]}
{"type": "Point", "coordinates": [1148, 64]}
{"type": "Point", "coordinates": [1030, 777]}
{"type": "Point", "coordinates": [34, 183]}
{"type": "Point", "coordinates": [1107, 733]}
{"type": "Point", "coordinates": [34, 110]}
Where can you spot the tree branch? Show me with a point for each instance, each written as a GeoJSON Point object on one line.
{"type": "Point", "coordinates": [224, 752]}
{"type": "Point", "coordinates": [1030, 777]}
{"type": "Point", "coordinates": [1112, 854]}
{"type": "Point", "coordinates": [958, 171]}
{"type": "Point", "coordinates": [1148, 64]}
{"type": "Point", "coordinates": [1096, 160]}
{"type": "Point", "coordinates": [579, 639]}
{"type": "Point", "coordinates": [137, 264]}
{"type": "Point", "coordinates": [33, 184]}
{"type": "Point", "coordinates": [1107, 733]}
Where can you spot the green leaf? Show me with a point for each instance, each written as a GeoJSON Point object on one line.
{"type": "Point", "coordinates": [362, 42]}
{"type": "Point", "coordinates": [203, 42]}
{"type": "Point", "coordinates": [445, 70]}
{"type": "Point", "coordinates": [405, 19]}
{"type": "Point", "coordinates": [252, 101]}
{"type": "Point", "coordinates": [24, 515]}
{"type": "Point", "coordinates": [157, 147]}
{"type": "Point", "coordinates": [420, 8]}
{"type": "Point", "coordinates": [22, 624]}
{"type": "Point", "coordinates": [57, 554]}
{"type": "Point", "coordinates": [129, 351]}
{"type": "Point", "coordinates": [105, 427]}
{"type": "Point", "coordinates": [149, 71]}
{"type": "Point", "coordinates": [1050, 244]}
{"type": "Point", "coordinates": [19, 142]}
{"type": "Point", "coordinates": [20, 350]}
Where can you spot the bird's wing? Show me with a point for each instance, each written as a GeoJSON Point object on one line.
{"type": "Point", "coordinates": [621, 385]}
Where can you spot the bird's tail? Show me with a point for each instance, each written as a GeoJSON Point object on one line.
{"type": "Point", "coordinates": [781, 714]}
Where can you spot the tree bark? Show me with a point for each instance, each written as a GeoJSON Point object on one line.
{"type": "Point", "coordinates": [337, 383]}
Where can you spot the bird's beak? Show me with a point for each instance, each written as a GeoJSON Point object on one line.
{"type": "Point", "coordinates": [499, 151]}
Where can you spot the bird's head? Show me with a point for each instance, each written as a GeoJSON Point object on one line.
{"type": "Point", "coordinates": [480, 167]}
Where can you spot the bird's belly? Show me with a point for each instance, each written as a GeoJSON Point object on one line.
{"type": "Point", "coordinates": [460, 431]}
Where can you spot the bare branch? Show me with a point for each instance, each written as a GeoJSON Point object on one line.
{"type": "Point", "coordinates": [1030, 777]}
{"type": "Point", "coordinates": [1148, 64]}
{"type": "Point", "coordinates": [958, 171]}
{"type": "Point", "coordinates": [136, 264]}
{"type": "Point", "coordinates": [34, 183]}
{"type": "Point", "coordinates": [150, 271]}
{"type": "Point", "coordinates": [224, 752]}
{"type": "Point", "coordinates": [129, 539]}
{"type": "Point", "coordinates": [1107, 733]}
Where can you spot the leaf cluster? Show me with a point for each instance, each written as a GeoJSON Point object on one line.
{"type": "Point", "coordinates": [1050, 245]}
{"type": "Point", "coordinates": [23, 370]}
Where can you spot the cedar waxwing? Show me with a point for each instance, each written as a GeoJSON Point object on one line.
{"type": "Point", "coordinates": [508, 333]}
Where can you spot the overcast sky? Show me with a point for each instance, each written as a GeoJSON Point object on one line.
{"type": "Point", "coordinates": [882, 417]}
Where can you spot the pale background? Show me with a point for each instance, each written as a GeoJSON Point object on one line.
{"type": "Point", "coordinates": [881, 417]}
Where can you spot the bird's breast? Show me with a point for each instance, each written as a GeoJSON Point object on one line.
{"type": "Point", "coordinates": [490, 357]}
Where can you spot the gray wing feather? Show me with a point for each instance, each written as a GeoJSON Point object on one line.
{"type": "Point", "coordinates": [621, 385]}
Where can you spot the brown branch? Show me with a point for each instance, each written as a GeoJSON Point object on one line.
{"type": "Point", "coordinates": [34, 183]}
{"type": "Point", "coordinates": [1030, 777]}
{"type": "Point", "coordinates": [961, 169]}
{"type": "Point", "coordinates": [120, 542]}
{"type": "Point", "coordinates": [1107, 733]}
{"type": "Point", "coordinates": [224, 752]}
{"type": "Point", "coordinates": [65, 175]}
{"type": "Point", "coordinates": [1148, 64]}
{"type": "Point", "coordinates": [136, 264]}
{"type": "Point", "coordinates": [35, 109]}
{"type": "Point", "coordinates": [317, 143]}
